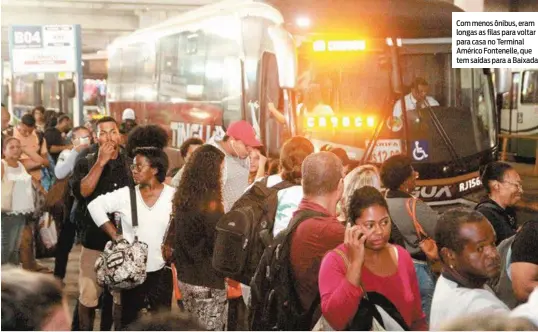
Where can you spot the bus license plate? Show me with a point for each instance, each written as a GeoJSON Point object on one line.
{"type": "Point", "coordinates": [384, 149]}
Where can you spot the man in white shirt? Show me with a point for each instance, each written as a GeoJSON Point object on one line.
{"type": "Point", "coordinates": [418, 98]}
{"type": "Point", "coordinates": [64, 168]}
{"type": "Point", "coordinates": [66, 161]}
{"type": "Point", "coordinates": [466, 243]}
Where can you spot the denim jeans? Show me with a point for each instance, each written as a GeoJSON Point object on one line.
{"type": "Point", "coordinates": [426, 285]}
{"type": "Point", "coordinates": [12, 226]}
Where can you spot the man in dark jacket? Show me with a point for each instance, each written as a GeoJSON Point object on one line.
{"type": "Point", "coordinates": [98, 170]}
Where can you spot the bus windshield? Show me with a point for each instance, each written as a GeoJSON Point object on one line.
{"type": "Point", "coordinates": [460, 99]}
{"type": "Point", "coordinates": [352, 83]}
{"type": "Point", "coordinates": [347, 96]}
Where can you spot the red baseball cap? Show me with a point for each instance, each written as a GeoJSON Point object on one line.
{"type": "Point", "coordinates": [243, 131]}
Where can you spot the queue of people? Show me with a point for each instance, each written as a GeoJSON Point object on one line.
{"type": "Point", "coordinates": [360, 251]}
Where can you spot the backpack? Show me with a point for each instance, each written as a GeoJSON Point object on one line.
{"type": "Point", "coordinates": [275, 303]}
{"type": "Point", "coordinates": [245, 231]}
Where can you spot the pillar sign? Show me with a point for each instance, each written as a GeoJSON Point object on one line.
{"type": "Point", "coordinates": [43, 49]}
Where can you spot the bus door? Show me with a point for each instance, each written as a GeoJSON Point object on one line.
{"type": "Point", "coordinates": [271, 131]}
{"type": "Point", "coordinates": [527, 112]}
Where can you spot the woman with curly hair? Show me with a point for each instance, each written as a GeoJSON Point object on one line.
{"type": "Point", "coordinates": [148, 135]}
{"type": "Point", "coordinates": [198, 206]}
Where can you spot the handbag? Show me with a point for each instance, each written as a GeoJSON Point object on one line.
{"type": "Point", "coordinates": [383, 314]}
{"type": "Point", "coordinates": [122, 265]}
{"type": "Point", "coordinates": [46, 236]}
{"type": "Point", "coordinates": [426, 243]}
{"type": "Point", "coordinates": [167, 247]}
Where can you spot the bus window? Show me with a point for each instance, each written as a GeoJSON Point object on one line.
{"type": "Point", "coordinates": [191, 64]}
{"type": "Point", "coordinates": [483, 105]}
{"type": "Point", "coordinates": [529, 88]}
{"type": "Point", "coordinates": [128, 73]}
{"type": "Point", "coordinates": [171, 88]}
{"type": "Point", "coordinates": [464, 106]}
{"type": "Point", "coordinates": [145, 67]}
{"type": "Point", "coordinates": [114, 75]}
{"type": "Point", "coordinates": [515, 93]}
{"type": "Point", "coordinates": [223, 75]}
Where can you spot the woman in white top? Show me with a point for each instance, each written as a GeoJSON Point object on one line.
{"type": "Point", "coordinates": [14, 176]}
{"type": "Point", "coordinates": [154, 206]}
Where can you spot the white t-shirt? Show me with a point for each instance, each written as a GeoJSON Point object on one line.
{"type": "Point", "coordinates": [451, 302]}
{"type": "Point", "coordinates": [65, 164]}
{"type": "Point", "coordinates": [152, 221]}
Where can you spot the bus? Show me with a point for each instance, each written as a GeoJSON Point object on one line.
{"type": "Point", "coordinates": [519, 113]}
{"type": "Point", "coordinates": [362, 60]}
{"type": "Point", "coordinates": [196, 73]}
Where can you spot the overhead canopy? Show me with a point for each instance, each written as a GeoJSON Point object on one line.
{"type": "Point", "coordinates": [370, 18]}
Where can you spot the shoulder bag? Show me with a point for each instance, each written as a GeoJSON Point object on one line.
{"type": "Point", "coordinates": [375, 312]}
{"type": "Point", "coordinates": [122, 265]}
{"type": "Point", "coordinates": [426, 243]}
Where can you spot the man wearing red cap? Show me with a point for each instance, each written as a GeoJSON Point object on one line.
{"type": "Point", "coordinates": [239, 139]}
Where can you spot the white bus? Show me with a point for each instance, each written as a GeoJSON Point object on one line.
{"type": "Point", "coordinates": [519, 114]}
{"type": "Point", "coordinates": [199, 71]}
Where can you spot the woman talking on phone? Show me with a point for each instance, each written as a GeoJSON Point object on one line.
{"type": "Point", "coordinates": [366, 269]}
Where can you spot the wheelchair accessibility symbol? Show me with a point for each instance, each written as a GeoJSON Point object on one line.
{"type": "Point", "coordinates": [420, 150]}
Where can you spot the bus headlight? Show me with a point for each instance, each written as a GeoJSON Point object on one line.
{"type": "Point", "coordinates": [310, 122]}
{"type": "Point", "coordinates": [334, 121]}
{"type": "Point", "coordinates": [370, 121]}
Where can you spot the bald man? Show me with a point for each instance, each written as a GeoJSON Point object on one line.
{"type": "Point", "coordinates": [323, 185]}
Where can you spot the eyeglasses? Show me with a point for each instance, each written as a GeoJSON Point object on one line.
{"type": "Point", "coordinates": [518, 185]}
{"type": "Point", "coordinates": [138, 168]}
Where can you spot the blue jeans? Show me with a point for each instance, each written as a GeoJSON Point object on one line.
{"type": "Point", "coordinates": [12, 226]}
{"type": "Point", "coordinates": [426, 285]}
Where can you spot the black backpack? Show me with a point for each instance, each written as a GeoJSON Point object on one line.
{"type": "Point", "coordinates": [275, 303]}
{"type": "Point", "coordinates": [245, 231]}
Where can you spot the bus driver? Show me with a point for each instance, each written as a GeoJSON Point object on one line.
{"type": "Point", "coordinates": [418, 98]}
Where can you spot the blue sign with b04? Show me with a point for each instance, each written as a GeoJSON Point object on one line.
{"type": "Point", "coordinates": [26, 36]}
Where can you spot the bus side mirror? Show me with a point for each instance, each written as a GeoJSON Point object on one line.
{"type": "Point", "coordinates": [503, 80]}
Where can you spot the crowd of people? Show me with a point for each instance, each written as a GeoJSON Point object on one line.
{"type": "Point", "coordinates": [359, 240]}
